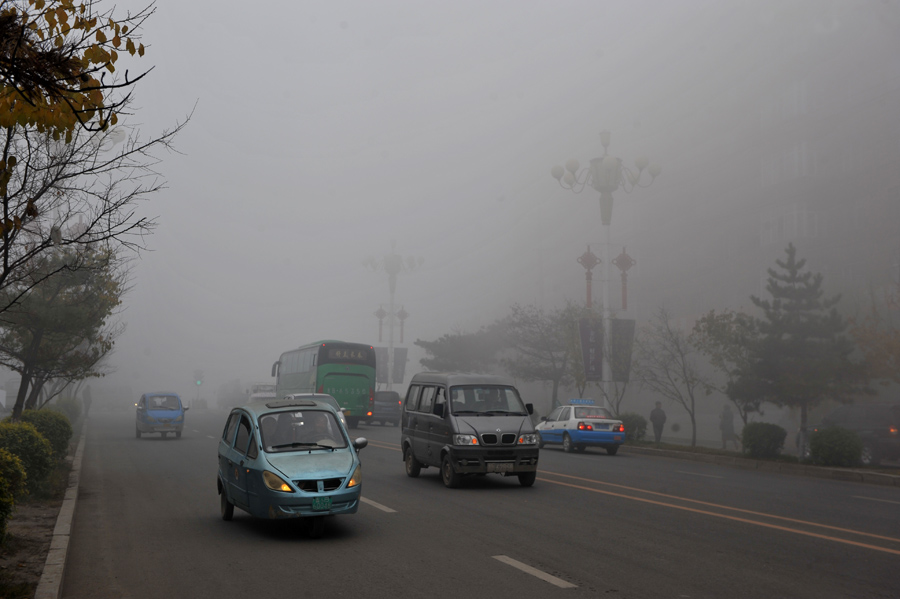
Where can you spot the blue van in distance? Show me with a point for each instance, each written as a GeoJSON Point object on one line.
{"type": "Point", "coordinates": [160, 412]}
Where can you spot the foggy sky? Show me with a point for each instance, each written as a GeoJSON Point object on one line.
{"type": "Point", "coordinates": [322, 131]}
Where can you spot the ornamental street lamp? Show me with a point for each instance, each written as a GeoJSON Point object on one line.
{"type": "Point", "coordinates": [623, 261]}
{"type": "Point", "coordinates": [606, 175]}
{"type": "Point", "coordinates": [588, 260]}
{"type": "Point", "coordinates": [393, 264]}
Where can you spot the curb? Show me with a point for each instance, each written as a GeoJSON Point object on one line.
{"type": "Point", "coordinates": [859, 476]}
{"type": "Point", "coordinates": [50, 584]}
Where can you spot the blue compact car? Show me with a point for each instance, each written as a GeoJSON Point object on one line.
{"type": "Point", "coordinates": [289, 458]}
{"type": "Point", "coordinates": [160, 412]}
{"type": "Point", "coordinates": [581, 424]}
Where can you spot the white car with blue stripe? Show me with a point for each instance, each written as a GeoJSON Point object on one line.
{"type": "Point", "coordinates": [580, 424]}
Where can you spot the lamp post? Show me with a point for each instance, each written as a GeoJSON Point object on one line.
{"type": "Point", "coordinates": [605, 175]}
{"type": "Point", "coordinates": [623, 261]}
{"type": "Point", "coordinates": [392, 264]}
{"type": "Point", "coordinates": [588, 260]}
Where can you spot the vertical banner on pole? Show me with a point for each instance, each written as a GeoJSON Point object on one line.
{"type": "Point", "coordinates": [381, 365]}
{"type": "Point", "coordinates": [399, 364]}
{"type": "Point", "coordinates": [622, 332]}
{"type": "Point", "coordinates": [591, 349]}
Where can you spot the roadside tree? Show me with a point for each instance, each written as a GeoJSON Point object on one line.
{"type": "Point", "coordinates": [803, 356]}
{"type": "Point", "coordinates": [463, 352]}
{"type": "Point", "coordinates": [667, 363]}
{"type": "Point", "coordinates": [60, 329]}
{"type": "Point", "coordinates": [727, 340]}
{"type": "Point", "coordinates": [541, 344]}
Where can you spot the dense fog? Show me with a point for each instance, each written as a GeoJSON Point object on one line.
{"type": "Point", "coordinates": [325, 135]}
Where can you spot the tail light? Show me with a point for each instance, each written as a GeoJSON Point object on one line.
{"type": "Point", "coordinates": [893, 430]}
{"type": "Point", "coordinates": [584, 426]}
{"type": "Point", "coordinates": [618, 428]}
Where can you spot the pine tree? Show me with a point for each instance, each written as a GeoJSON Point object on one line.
{"type": "Point", "coordinates": [803, 356]}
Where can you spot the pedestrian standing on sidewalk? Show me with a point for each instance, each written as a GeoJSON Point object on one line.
{"type": "Point", "coordinates": [726, 425]}
{"type": "Point", "coordinates": [658, 419]}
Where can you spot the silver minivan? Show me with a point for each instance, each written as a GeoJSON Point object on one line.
{"type": "Point", "coordinates": [467, 424]}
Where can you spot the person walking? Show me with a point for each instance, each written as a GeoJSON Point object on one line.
{"type": "Point", "coordinates": [658, 419]}
{"type": "Point", "coordinates": [726, 425]}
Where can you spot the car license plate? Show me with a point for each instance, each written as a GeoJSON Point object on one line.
{"type": "Point", "coordinates": [321, 503]}
{"type": "Point", "coordinates": [499, 467]}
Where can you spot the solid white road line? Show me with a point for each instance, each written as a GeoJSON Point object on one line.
{"type": "Point", "coordinates": [698, 474]}
{"type": "Point", "coordinates": [874, 499]}
{"type": "Point", "coordinates": [374, 504]}
{"type": "Point", "coordinates": [535, 572]}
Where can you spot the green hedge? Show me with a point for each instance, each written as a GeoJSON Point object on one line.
{"type": "Point", "coordinates": [763, 440]}
{"type": "Point", "coordinates": [835, 446]}
{"type": "Point", "coordinates": [35, 451]}
{"type": "Point", "coordinates": [12, 486]}
{"type": "Point", "coordinates": [635, 426]}
{"type": "Point", "coordinates": [55, 427]}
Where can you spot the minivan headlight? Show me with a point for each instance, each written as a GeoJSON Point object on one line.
{"type": "Point", "coordinates": [356, 478]}
{"type": "Point", "coordinates": [275, 482]}
{"type": "Point", "coordinates": [465, 440]}
{"type": "Point", "coordinates": [528, 439]}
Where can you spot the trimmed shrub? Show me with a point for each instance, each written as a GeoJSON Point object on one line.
{"type": "Point", "coordinates": [12, 486]}
{"type": "Point", "coordinates": [23, 440]}
{"type": "Point", "coordinates": [835, 446]}
{"type": "Point", "coordinates": [69, 406]}
{"type": "Point", "coordinates": [12, 473]}
{"type": "Point", "coordinates": [763, 440]}
{"type": "Point", "coordinates": [635, 426]}
{"type": "Point", "coordinates": [55, 427]}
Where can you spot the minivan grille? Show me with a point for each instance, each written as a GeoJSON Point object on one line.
{"type": "Point", "coordinates": [505, 438]}
{"type": "Point", "coordinates": [312, 486]}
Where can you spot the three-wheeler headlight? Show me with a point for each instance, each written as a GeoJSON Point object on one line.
{"type": "Point", "coordinates": [276, 483]}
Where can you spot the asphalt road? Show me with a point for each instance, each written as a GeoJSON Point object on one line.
{"type": "Point", "coordinates": [147, 525]}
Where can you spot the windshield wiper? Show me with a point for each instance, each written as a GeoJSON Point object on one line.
{"type": "Point", "coordinates": [298, 444]}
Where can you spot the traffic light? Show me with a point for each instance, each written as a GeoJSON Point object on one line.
{"type": "Point", "coordinates": [198, 377]}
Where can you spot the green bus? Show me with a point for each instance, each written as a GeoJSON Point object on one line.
{"type": "Point", "coordinates": [346, 371]}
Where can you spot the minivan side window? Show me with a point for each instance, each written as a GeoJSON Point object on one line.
{"type": "Point", "coordinates": [440, 398]}
{"type": "Point", "coordinates": [228, 434]}
{"type": "Point", "coordinates": [412, 398]}
{"type": "Point", "coordinates": [243, 435]}
{"type": "Point", "coordinates": [427, 400]}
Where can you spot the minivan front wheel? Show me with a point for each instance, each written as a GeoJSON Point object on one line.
{"type": "Point", "coordinates": [413, 467]}
{"type": "Point", "coordinates": [448, 474]}
{"type": "Point", "coordinates": [526, 479]}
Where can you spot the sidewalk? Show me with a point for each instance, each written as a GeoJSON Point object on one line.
{"type": "Point", "coordinates": [50, 584]}
{"type": "Point", "coordinates": [846, 474]}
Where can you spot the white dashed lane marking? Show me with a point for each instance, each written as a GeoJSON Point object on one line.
{"type": "Point", "coordinates": [874, 499]}
{"type": "Point", "coordinates": [559, 582]}
{"type": "Point", "coordinates": [374, 504]}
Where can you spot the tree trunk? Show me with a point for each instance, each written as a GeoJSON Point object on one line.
{"type": "Point", "coordinates": [36, 386]}
{"type": "Point", "coordinates": [23, 392]}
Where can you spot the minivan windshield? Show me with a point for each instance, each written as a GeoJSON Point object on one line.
{"type": "Point", "coordinates": [487, 400]}
{"type": "Point", "coordinates": [163, 402]}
